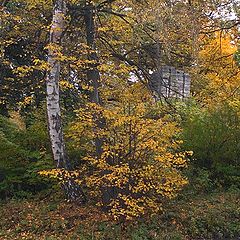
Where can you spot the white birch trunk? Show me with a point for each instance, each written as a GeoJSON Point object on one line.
{"type": "Point", "coordinates": [71, 188]}
{"type": "Point", "coordinates": [52, 82]}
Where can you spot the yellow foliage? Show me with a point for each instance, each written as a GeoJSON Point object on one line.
{"type": "Point", "coordinates": [140, 162]}
{"type": "Point", "coordinates": [218, 70]}
{"type": "Point", "coordinates": [64, 84]}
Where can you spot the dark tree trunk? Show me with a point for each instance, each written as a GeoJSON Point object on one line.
{"type": "Point", "coordinates": [93, 75]}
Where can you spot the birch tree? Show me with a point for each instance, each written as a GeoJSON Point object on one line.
{"type": "Point", "coordinates": [71, 188]}
{"type": "Point", "coordinates": [52, 82]}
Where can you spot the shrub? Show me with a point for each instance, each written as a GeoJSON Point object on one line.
{"type": "Point", "coordinates": [213, 136]}
{"type": "Point", "coordinates": [20, 163]}
{"type": "Point", "coordinates": [140, 163]}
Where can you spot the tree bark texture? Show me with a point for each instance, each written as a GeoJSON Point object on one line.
{"type": "Point", "coordinates": [52, 82]}
{"type": "Point", "coordinates": [93, 75]}
{"type": "Point", "coordinates": [72, 190]}
{"type": "Point", "coordinates": [3, 106]}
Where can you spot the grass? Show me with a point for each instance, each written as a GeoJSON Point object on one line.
{"type": "Point", "coordinates": [213, 216]}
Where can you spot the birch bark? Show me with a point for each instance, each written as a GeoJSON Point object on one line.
{"type": "Point", "coordinates": [52, 82]}
{"type": "Point", "coordinates": [71, 188]}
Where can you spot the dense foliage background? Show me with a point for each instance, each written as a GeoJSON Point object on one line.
{"type": "Point", "coordinates": [144, 166]}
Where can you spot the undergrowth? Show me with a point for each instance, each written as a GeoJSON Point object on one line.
{"type": "Point", "coordinates": [212, 216]}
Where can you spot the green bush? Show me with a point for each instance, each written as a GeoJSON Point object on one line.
{"type": "Point", "coordinates": [21, 158]}
{"type": "Point", "coordinates": [213, 136]}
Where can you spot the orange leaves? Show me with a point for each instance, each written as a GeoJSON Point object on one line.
{"type": "Point", "coordinates": [140, 161]}
{"type": "Point", "coordinates": [219, 71]}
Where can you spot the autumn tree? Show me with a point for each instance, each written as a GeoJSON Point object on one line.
{"type": "Point", "coordinates": [52, 81]}
{"type": "Point", "coordinates": [216, 78]}
{"type": "Point", "coordinates": [23, 38]}
{"type": "Point", "coordinates": [99, 52]}
{"type": "Point", "coordinates": [140, 165]}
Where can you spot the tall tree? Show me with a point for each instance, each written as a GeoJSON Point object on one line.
{"type": "Point", "coordinates": [71, 188]}
{"type": "Point", "coordinates": [93, 75]}
{"type": "Point", "coordinates": [52, 82]}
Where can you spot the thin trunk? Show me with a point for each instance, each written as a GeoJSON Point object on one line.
{"type": "Point", "coordinates": [93, 75]}
{"type": "Point", "coordinates": [71, 188]}
{"type": "Point", "coordinates": [52, 82]}
{"type": "Point", "coordinates": [3, 105]}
